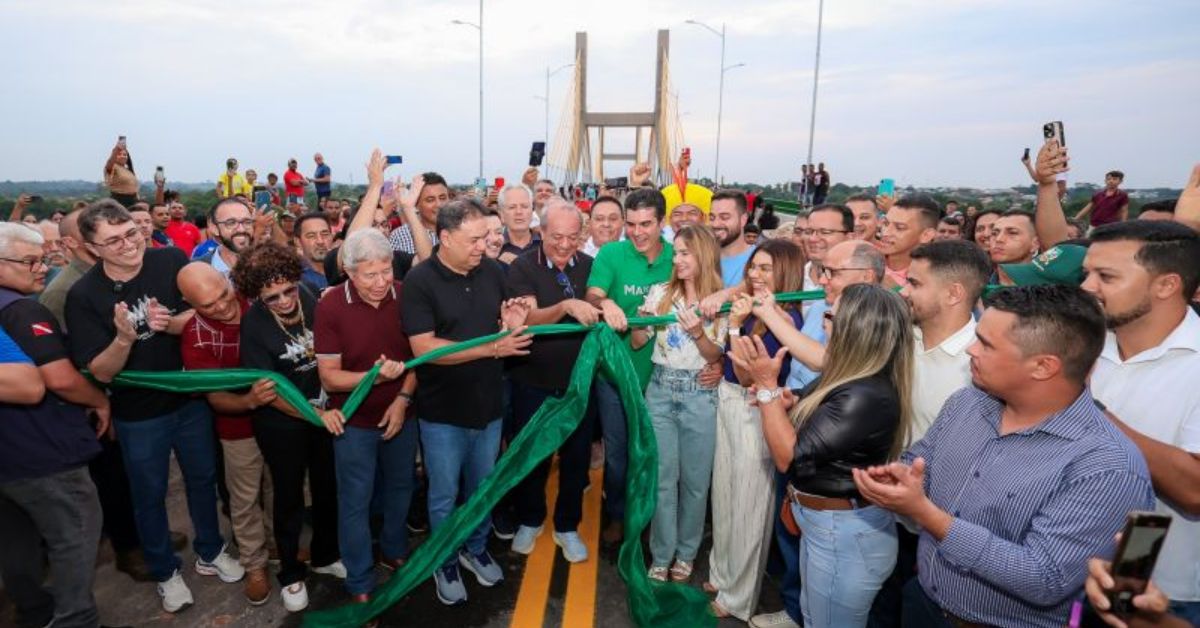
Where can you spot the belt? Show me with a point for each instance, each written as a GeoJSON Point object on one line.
{"type": "Point", "coordinates": [816, 502]}
{"type": "Point", "coordinates": [959, 622]}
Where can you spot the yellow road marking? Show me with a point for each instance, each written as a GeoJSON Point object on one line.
{"type": "Point", "coordinates": [580, 608]}
{"type": "Point", "coordinates": [530, 611]}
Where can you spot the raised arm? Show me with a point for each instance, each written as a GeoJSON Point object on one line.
{"type": "Point", "coordinates": [1049, 219]}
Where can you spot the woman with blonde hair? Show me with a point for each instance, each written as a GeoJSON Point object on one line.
{"type": "Point", "coordinates": [743, 484]}
{"type": "Point", "coordinates": [683, 413]}
{"type": "Point", "coordinates": [856, 414]}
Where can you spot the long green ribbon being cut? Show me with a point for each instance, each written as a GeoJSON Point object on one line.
{"type": "Point", "coordinates": [650, 603]}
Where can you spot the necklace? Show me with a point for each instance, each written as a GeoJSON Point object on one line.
{"type": "Point", "coordinates": [304, 339]}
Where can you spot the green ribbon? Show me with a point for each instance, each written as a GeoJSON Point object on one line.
{"type": "Point", "coordinates": [650, 603]}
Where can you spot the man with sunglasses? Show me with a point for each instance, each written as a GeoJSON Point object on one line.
{"type": "Point", "coordinates": [44, 450]}
{"type": "Point", "coordinates": [126, 313]}
{"type": "Point", "coordinates": [553, 280]}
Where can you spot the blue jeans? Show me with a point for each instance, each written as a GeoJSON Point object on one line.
{"type": "Point", "coordinates": [616, 447]}
{"type": "Point", "coordinates": [845, 555]}
{"type": "Point", "coordinates": [789, 550]}
{"type": "Point", "coordinates": [684, 418]}
{"type": "Point", "coordinates": [457, 459]}
{"type": "Point", "coordinates": [1186, 610]}
{"type": "Point", "coordinates": [359, 454]}
{"type": "Point", "coordinates": [146, 446]}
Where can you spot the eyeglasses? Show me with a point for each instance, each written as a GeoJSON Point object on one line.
{"type": "Point", "coordinates": [31, 263]}
{"type": "Point", "coordinates": [288, 292]}
{"type": "Point", "coordinates": [829, 272]}
{"type": "Point", "coordinates": [233, 223]}
{"type": "Point", "coordinates": [565, 283]}
{"type": "Point", "coordinates": [822, 232]}
{"type": "Point", "coordinates": [828, 315]}
{"type": "Point", "coordinates": [133, 236]}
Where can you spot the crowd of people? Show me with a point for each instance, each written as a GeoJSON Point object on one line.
{"type": "Point", "coordinates": [918, 447]}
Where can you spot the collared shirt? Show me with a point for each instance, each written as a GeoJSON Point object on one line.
{"type": "Point", "coordinates": [185, 235]}
{"type": "Point", "coordinates": [219, 264]}
{"type": "Point", "coordinates": [591, 249]}
{"type": "Point", "coordinates": [357, 332]}
{"type": "Point", "coordinates": [1030, 507]}
{"type": "Point", "coordinates": [535, 275]}
{"type": "Point", "coordinates": [456, 307]}
{"type": "Point", "coordinates": [939, 372]}
{"type": "Point", "coordinates": [509, 247]}
{"type": "Point", "coordinates": [1155, 392]}
{"type": "Point", "coordinates": [813, 327]}
{"type": "Point", "coordinates": [402, 240]}
{"type": "Point", "coordinates": [625, 275]}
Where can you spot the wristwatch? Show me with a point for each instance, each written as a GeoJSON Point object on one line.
{"type": "Point", "coordinates": [767, 396]}
{"type": "Point", "coordinates": [735, 332]}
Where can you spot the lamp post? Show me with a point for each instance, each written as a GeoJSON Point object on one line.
{"type": "Point", "coordinates": [812, 121]}
{"type": "Point", "coordinates": [478, 27]}
{"type": "Point", "coordinates": [720, 91]}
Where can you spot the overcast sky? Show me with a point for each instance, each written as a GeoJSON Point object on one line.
{"type": "Point", "coordinates": [928, 93]}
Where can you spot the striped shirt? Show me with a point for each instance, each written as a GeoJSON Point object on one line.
{"type": "Point", "coordinates": [1030, 507]}
{"type": "Point", "coordinates": [401, 239]}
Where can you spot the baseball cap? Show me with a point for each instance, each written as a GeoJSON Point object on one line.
{"type": "Point", "coordinates": [1061, 264]}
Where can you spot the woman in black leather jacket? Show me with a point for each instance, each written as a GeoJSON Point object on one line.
{"type": "Point", "coordinates": [855, 415]}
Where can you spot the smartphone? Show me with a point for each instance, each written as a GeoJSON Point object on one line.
{"type": "Point", "coordinates": [1141, 541]}
{"type": "Point", "coordinates": [499, 183]}
{"type": "Point", "coordinates": [159, 176]}
{"type": "Point", "coordinates": [887, 187]}
{"type": "Point", "coordinates": [617, 182]}
{"type": "Point", "coordinates": [591, 193]}
{"type": "Point", "coordinates": [481, 186]}
{"type": "Point", "coordinates": [1054, 131]}
{"type": "Point", "coordinates": [36, 198]}
{"type": "Point", "coordinates": [394, 159]}
{"type": "Point", "coordinates": [537, 154]}
{"type": "Point", "coordinates": [1025, 157]}
{"type": "Point", "coordinates": [121, 141]}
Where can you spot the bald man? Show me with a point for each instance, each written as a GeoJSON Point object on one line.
{"type": "Point", "coordinates": [211, 340]}
{"type": "Point", "coordinates": [79, 260]}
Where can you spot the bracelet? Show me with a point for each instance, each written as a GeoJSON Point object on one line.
{"type": "Point", "coordinates": [405, 396]}
{"type": "Point", "coordinates": [496, 350]}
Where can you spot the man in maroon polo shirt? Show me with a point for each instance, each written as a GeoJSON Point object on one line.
{"type": "Point", "coordinates": [1108, 205]}
{"type": "Point", "coordinates": [358, 325]}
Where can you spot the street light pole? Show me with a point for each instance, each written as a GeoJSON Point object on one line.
{"type": "Point", "coordinates": [720, 92]}
{"type": "Point", "coordinates": [478, 27]}
{"type": "Point", "coordinates": [812, 121]}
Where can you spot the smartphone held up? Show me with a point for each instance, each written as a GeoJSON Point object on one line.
{"type": "Point", "coordinates": [1054, 131]}
{"type": "Point", "coordinates": [1141, 542]}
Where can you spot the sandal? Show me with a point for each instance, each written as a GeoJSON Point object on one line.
{"type": "Point", "coordinates": [681, 571]}
{"type": "Point", "coordinates": [658, 573]}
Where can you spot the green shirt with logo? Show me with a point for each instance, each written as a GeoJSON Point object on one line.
{"type": "Point", "coordinates": [625, 276]}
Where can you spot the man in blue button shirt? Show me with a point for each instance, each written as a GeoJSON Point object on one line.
{"type": "Point", "coordinates": [1021, 478]}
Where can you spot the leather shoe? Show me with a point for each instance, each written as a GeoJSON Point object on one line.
{"type": "Point", "coordinates": [134, 565]}
{"type": "Point", "coordinates": [258, 587]}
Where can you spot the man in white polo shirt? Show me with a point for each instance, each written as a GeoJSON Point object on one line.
{"type": "Point", "coordinates": [1144, 273]}
{"type": "Point", "coordinates": [945, 280]}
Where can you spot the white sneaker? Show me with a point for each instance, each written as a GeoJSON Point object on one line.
{"type": "Point", "coordinates": [175, 593]}
{"type": "Point", "coordinates": [773, 620]}
{"type": "Point", "coordinates": [335, 569]}
{"type": "Point", "coordinates": [223, 566]}
{"type": "Point", "coordinates": [295, 597]}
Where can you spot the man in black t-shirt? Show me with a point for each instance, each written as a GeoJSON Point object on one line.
{"type": "Point", "coordinates": [126, 313]}
{"type": "Point", "coordinates": [45, 447]}
{"type": "Point", "coordinates": [456, 295]}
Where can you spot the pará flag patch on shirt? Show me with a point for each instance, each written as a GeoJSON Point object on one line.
{"type": "Point", "coordinates": [42, 329]}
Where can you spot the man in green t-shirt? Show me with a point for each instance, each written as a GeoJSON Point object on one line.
{"type": "Point", "coordinates": [621, 275]}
